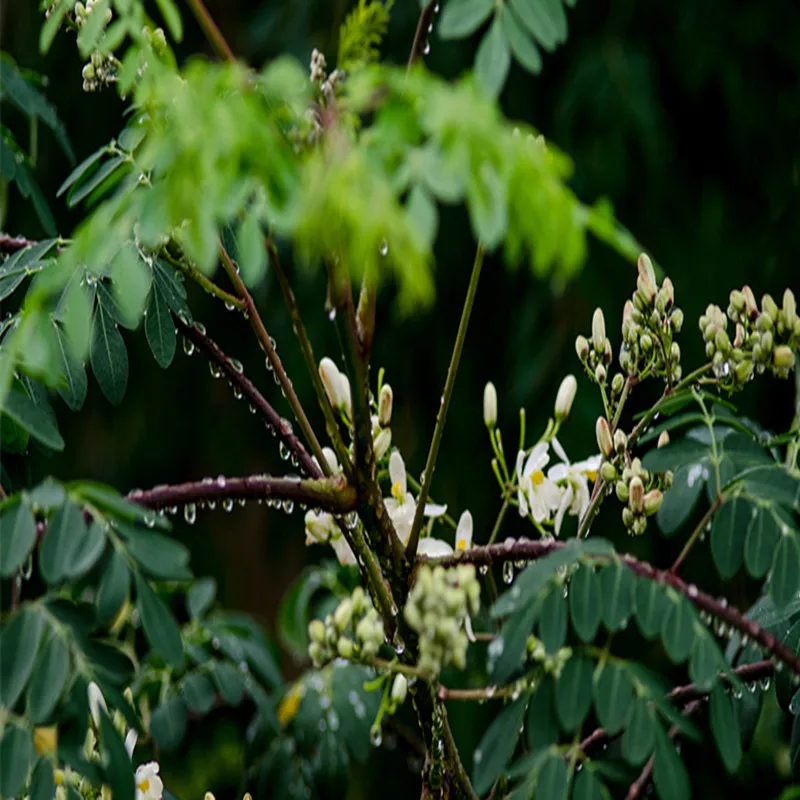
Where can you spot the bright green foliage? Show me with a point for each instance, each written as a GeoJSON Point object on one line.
{"type": "Point", "coordinates": [362, 33]}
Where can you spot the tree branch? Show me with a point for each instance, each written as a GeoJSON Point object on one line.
{"type": "Point", "coordinates": [328, 494]}
{"type": "Point", "coordinates": [10, 244]}
{"type": "Point", "coordinates": [531, 550]}
{"type": "Point", "coordinates": [210, 29]}
{"type": "Point", "coordinates": [422, 32]}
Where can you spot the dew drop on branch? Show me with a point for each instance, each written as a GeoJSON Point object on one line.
{"type": "Point", "coordinates": [508, 572]}
{"type": "Point", "coordinates": [190, 513]}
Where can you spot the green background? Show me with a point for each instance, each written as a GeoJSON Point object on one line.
{"type": "Point", "coordinates": [684, 115]}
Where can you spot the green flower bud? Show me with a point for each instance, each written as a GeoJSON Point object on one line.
{"type": "Point", "coordinates": [621, 488]}
{"type": "Point", "coordinates": [608, 471]}
{"type": "Point", "coordinates": [769, 307]}
{"type": "Point", "coordinates": [767, 341]}
{"type": "Point", "coordinates": [345, 647]}
{"type": "Point", "coordinates": [87, 73]}
{"type": "Point", "coordinates": [744, 371]}
{"type": "Point", "coordinates": [710, 349]}
{"type": "Point", "coordinates": [343, 614]}
{"type": "Point", "coordinates": [618, 383]}
{"type": "Point", "coordinates": [598, 330]}
{"type": "Point", "coordinates": [652, 502]}
{"type": "Point", "coordinates": [582, 348]}
{"type": "Point", "coordinates": [737, 300]}
{"type": "Point", "coordinates": [620, 441]}
{"type": "Point", "coordinates": [764, 323]}
{"type": "Point", "coordinates": [385, 402]}
{"type": "Point", "coordinates": [783, 357]}
{"type": "Point", "coordinates": [663, 439]}
{"type": "Point", "coordinates": [399, 690]}
{"type": "Point", "coordinates": [639, 526]}
{"type": "Point", "coordinates": [722, 341]}
{"type": "Point", "coordinates": [603, 434]}
{"type": "Point", "coordinates": [636, 495]}
{"type": "Point", "coordinates": [675, 352]}
{"type": "Point", "coordinates": [646, 342]}
{"type": "Point", "coordinates": [489, 405]}
{"type": "Point", "coordinates": [646, 282]}
{"type": "Point", "coordinates": [668, 478]}
{"type": "Point", "coordinates": [316, 653]}
{"type": "Point", "coordinates": [789, 309]}
{"type": "Point", "coordinates": [676, 320]}
{"type": "Point", "coordinates": [627, 518]}
{"type": "Point", "coordinates": [382, 443]}
{"type": "Point", "coordinates": [600, 374]}
{"type": "Point", "coordinates": [316, 631]}
{"type": "Point", "coordinates": [750, 306]}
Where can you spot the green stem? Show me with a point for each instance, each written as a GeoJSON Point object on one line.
{"type": "Point", "coordinates": [382, 665]}
{"type": "Point", "coordinates": [204, 282]}
{"type": "Point", "coordinates": [433, 452]}
{"type": "Point", "coordinates": [499, 521]}
{"type": "Point", "coordinates": [210, 29]}
{"type": "Point", "coordinates": [697, 533]}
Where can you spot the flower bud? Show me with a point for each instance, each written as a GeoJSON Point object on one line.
{"type": "Point", "coordinates": [639, 526]}
{"type": "Point", "coordinates": [627, 518]}
{"type": "Point", "coordinates": [636, 495]}
{"type": "Point", "coordinates": [565, 397]}
{"type": "Point", "coordinates": [652, 502]}
{"type": "Point", "coordinates": [738, 339]}
{"type": "Point", "coordinates": [676, 320]}
{"type": "Point", "coordinates": [345, 647]}
{"type": "Point", "coordinates": [646, 282]}
{"type": "Point", "coordinates": [600, 374]}
{"type": "Point", "coordinates": [385, 405]}
{"type": "Point", "coordinates": [603, 434]}
{"type": "Point", "coordinates": [87, 73]}
{"type": "Point", "coordinates": [675, 352]}
{"type": "Point", "coordinates": [783, 357]}
{"type": "Point", "coordinates": [750, 306]}
{"type": "Point", "coordinates": [608, 471]}
{"type": "Point", "coordinates": [617, 383]}
{"type": "Point", "coordinates": [722, 341]}
{"type": "Point", "coordinates": [598, 330]}
{"type": "Point", "coordinates": [769, 307]}
{"type": "Point", "coordinates": [399, 689]}
{"type": "Point", "coordinates": [489, 405]}
{"type": "Point", "coordinates": [789, 310]}
{"type": "Point", "coordinates": [737, 300]}
{"type": "Point", "coordinates": [96, 702]}
{"type": "Point", "coordinates": [621, 488]}
{"type": "Point", "coordinates": [620, 440]}
{"type": "Point", "coordinates": [663, 439]}
{"type": "Point", "coordinates": [332, 381]}
{"type": "Point", "coordinates": [343, 614]}
{"type": "Point", "coordinates": [382, 442]}
{"type": "Point", "coordinates": [646, 342]}
{"type": "Point", "coordinates": [582, 348]}
{"type": "Point", "coordinates": [316, 631]}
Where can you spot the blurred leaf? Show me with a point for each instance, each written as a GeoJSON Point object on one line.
{"type": "Point", "coordinates": [75, 385]}
{"type": "Point", "coordinates": [119, 770]}
{"type": "Point", "coordinates": [86, 550]}
{"type": "Point", "coordinates": [81, 190]}
{"type": "Point", "coordinates": [574, 692]}
{"type": "Point", "coordinates": [497, 745]}
{"type": "Point", "coordinates": [200, 597]}
{"type": "Point", "coordinates": [725, 728]}
{"type": "Point", "coordinates": [48, 679]}
{"type": "Point", "coordinates": [55, 556]}
{"type": "Point", "coordinates": [585, 602]}
{"type": "Point", "coordinates": [16, 757]}
{"type": "Point", "coordinates": [19, 641]}
{"type": "Point", "coordinates": [43, 784]}
{"type": "Point", "coordinates": [589, 787]}
{"type": "Point", "coordinates": [229, 680]}
{"type": "Point", "coordinates": [114, 587]}
{"type": "Point", "coordinates": [460, 18]}
{"type": "Point", "coordinates": [523, 48]}
{"type": "Point", "coordinates": [159, 625]}
{"type": "Point", "coordinates": [117, 507]}
{"type": "Point", "coordinates": [542, 721]}
{"type": "Point", "coordinates": [552, 778]}
{"type": "Point", "coordinates": [492, 62]}
{"type": "Point", "coordinates": [616, 588]}
{"type": "Point", "coordinates": [706, 662]}
{"type": "Point", "coordinates": [168, 723]}
{"type": "Point", "coordinates": [507, 649]}
{"type": "Point", "coordinates": [553, 619]}
{"type": "Point", "coordinates": [669, 773]}
{"type": "Point", "coordinates": [17, 536]}
{"type": "Point", "coordinates": [251, 249]}
{"type": "Point", "coordinates": [537, 21]}
{"type": "Point", "coordinates": [639, 738]}
{"type": "Point", "coordinates": [172, 17]}
{"type": "Point", "coordinates": [19, 407]}
{"type": "Point", "coordinates": [159, 556]}
{"type": "Point", "coordinates": [79, 171]}
{"type": "Point", "coordinates": [198, 692]}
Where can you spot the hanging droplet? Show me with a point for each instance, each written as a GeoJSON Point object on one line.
{"type": "Point", "coordinates": [273, 343]}
{"type": "Point", "coordinates": [508, 572]}
{"type": "Point", "coordinates": [765, 683]}
{"type": "Point", "coordinates": [190, 513]}
{"type": "Point", "coordinates": [288, 506]}
{"type": "Point", "coordinates": [269, 365]}
{"type": "Point", "coordinates": [200, 328]}
{"type": "Point", "coordinates": [229, 306]}
{"type": "Point", "coordinates": [331, 314]}
{"type": "Point", "coordinates": [284, 451]}
{"type": "Point", "coordinates": [384, 248]}
{"type": "Point", "coordinates": [188, 346]}
{"type": "Point", "coordinates": [351, 520]}
{"type": "Point", "coordinates": [398, 644]}
{"type": "Point", "coordinates": [27, 568]}
{"type": "Point", "coordinates": [251, 408]}
{"type": "Point", "coordinates": [227, 504]}
{"type": "Point", "coordinates": [237, 392]}
{"type": "Point", "coordinates": [242, 502]}
{"type": "Point", "coordinates": [483, 569]}
{"type": "Point", "coordinates": [375, 736]}
{"type": "Point", "coordinates": [212, 504]}
{"type": "Point", "coordinates": [214, 370]}
{"type": "Point", "coordinates": [221, 481]}
{"type": "Point", "coordinates": [427, 49]}
{"type": "Point", "coordinates": [237, 365]}
{"type": "Point", "coordinates": [150, 520]}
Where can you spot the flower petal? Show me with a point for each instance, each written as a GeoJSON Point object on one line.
{"type": "Point", "coordinates": [433, 548]}
{"type": "Point", "coordinates": [464, 531]}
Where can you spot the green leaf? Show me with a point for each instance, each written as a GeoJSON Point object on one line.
{"type": "Point", "coordinates": [160, 628]}
{"type": "Point", "coordinates": [48, 679]}
{"type": "Point", "coordinates": [551, 781]}
{"type": "Point", "coordinates": [589, 787]}
{"type": "Point", "coordinates": [251, 249]}
{"type": "Point", "coordinates": [86, 550]}
{"type": "Point", "coordinates": [507, 649]}
{"type": "Point", "coordinates": [497, 745]}
{"type": "Point", "coordinates": [108, 356]}
{"type": "Point", "coordinates": [681, 498]}
{"type": "Point", "coordinates": [639, 738]}
{"type": "Point", "coordinates": [19, 641]}
{"type": "Point", "coordinates": [173, 290]}
{"type": "Point", "coordinates": [52, 24]}
{"type": "Point", "coordinates": [114, 587]}
{"type": "Point", "coordinates": [763, 534]}
{"type": "Point", "coordinates": [17, 536]}
{"type": "Point", "coordinates": [783, 583]}
{"type": "Point", "coordinates": [200, 597]}
{"type": "Point", "coordinates": [116, 506]}
{"type": "Point", "coordinates": [95, 180]}
{"type": "Point", "coordinates": [79, 171]}
{"type": "Point", "coordinates": [43, 784]}
{"type": "Point", "coordinates": [523, 48]}
{"type": "Point", "coordinates": [725, 727]}
{"type": "Point", "coordinates": [460, 18]}
{"type": "Point", "coordinates": [229, 680]}
{"type": "Point", "coordinates": [613, 696]}
{"type": "Point", "coordinates": [168, 723]}
{"type": "Point", "coordinates": [669, 773]}
{"type": "Point", "coordinates": [553, 619]}
{"type": "Point", "coordinates": [651, 605]}
{"type": "Point", "coordinates": [119, 771]}
{"type": "Point", "coordinates": [542, 722]}
{"type": "Point", "coordinates": [172, 17]}
{"type": "Point", "coordinates": [728, 535]}
{"type": "Point", "coordinates": [198, 692]}
{"type": "Point", "coordinates": [785, 688]}
{"type": "Point", "coordinates": [55, 555]}
{"type": "Point", "coordinates": [585, 602]}
{"type": "Point", "coordinates": [536, 20]}
{"type": "Point", "coordinates": [486, 199]}
{"type": "Point", "coordinates": [131, 280]}
{"type": "Point", "coordinates": [706, 663]}
{"type": "Point", "coordinates": [75, 385]}
{"type": "Point", "coordinates": [159, 328]}
{"type": "Point", "coordinates": [616, 588]}
{"type": "Point", "coordinates": [574, 692]}
{"type": "Point", "coordinates": [422, 209]}
{"type": "Point", "coordinates": [26, 413]}
{"type": "Point", "coordinates": [678, 632]}
{"type": "Point", "coordinates": [493, 59]}
{"type": "Point", "coordinates": [16, 758]}
{"type": "Point", "coordinates": [160, 556]}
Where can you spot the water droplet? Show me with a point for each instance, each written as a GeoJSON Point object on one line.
{"type": "Point", "coordinates": [398, 644]}
{"type": "Point", "coordinates": [229, 306]}
{"type": "Point", "coordinates": [384, 248]}
{"type": "Point", "coordinates": [237, 392]}
{"type": "Point", "coordinates": [284, 451]}
{"type": "Point", "coordinates": [331, 314]}
{"type": "Point", "coordinates": [427, 49]}
{"type": "Point", "coordinates": [212, 504]}
{"type": "Point", "coordinates": [190, 513]}
{"type": "Point", "coordinates": [188, 346]}
{"type": "Point", "coordinates": [288, 506]}
{"type": "Point", "coordinates": [227, 504]}
{"type": "Point", "coordinates": [333, 721]}
{"type": "Point", "coordinates": [752, 687]}
{"type": "Point", "coordinates": [375, 735]}
{"type": "Point", "coordinates": [692, 591]}
{"type": "Point", "coordinates": [765, 684]}
{"type": "Point", "coordinates": [214, 370]}
{"type": "Point", "coordinates": [150, 520]}
{"type": "Point", "coordinates": [508, 572]}
{"type": "Point", "coordinates": [478, 757]}
{"type": "Point", "coordinates": [242, 502]}
{"type": "Point", "coordinates": [27, 569]}
{"type": "Point", "coordinates": [251, 408]}
{"type": "Point", "coordinates": [350, 520]}
{"type": "Point", "coordinates": [200, 328]}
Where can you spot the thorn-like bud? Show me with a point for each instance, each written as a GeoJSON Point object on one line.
{"type": "Point", "coordinates": [783, 357]}
{"type": "Point", "coordinates": [399, 689]}
{"type": "Point", "coordinates": [608, 472]}
{"type": "Point", "coordinates": [663, 439]}
{"type": "Point", "coordinates": [652, 502]}
{"type": "Point", "coordinates": [582, 348]}
{"type": "Point", "coordinates": [618, 383]}
{"type": "Point", "coordinates": [603, 433]}
{"type": "Point", "coordinates": [489, 405]}
{"type": "Point", "coordinates": [565, 397]}
{"type": "Point", "coordinates": [598, 330]}
{"type": "Point", "coordinates": [636, 495]}
{"type": "Point", "coordinates": [385, 402]}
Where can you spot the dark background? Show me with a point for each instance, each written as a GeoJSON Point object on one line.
{"type": "Point", "coordinates": [685, 115]}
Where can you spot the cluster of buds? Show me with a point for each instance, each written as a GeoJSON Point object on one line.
{"type": "Point", "coordinates": [156, 38]}
{"type": "Point", "coordinates": [650, 321]}
{"type": "Point", "coordinates": [81, 12]}
{"type": "Point", "coordinates": [595, 354]}
{"type": "Point", "coordinates": [762, 340]}
{"type": "Point", "coordinates": [328, 84]}
{"type": "Point", "coordinates": [553, 663]}
{"type": "Point", "coordinates": [319, 65]}
{"type": "Point", "coordinates": [640, 490]}
{"type": "Point", "coordinates": [354, 631]}
{"type": "Point", "coordinates": [436, 609]}
{"type": "Point", "coordinates": [101, 70]}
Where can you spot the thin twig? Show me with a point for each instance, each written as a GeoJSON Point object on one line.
{"type": "Point", "coordinates": [441, 417]}
{"type": "Point", "coordinates": [421, 34]}
{"type": "Point", "coordinates": [523, 550]}
{"type": "Point", "coordinates": [328, 494]}
{"type": "Point", "coordinates": [697, 533]}
{"type": "Point", "coordinates": [210, 29]}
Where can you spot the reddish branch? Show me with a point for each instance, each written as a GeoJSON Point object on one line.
{"type": "Point", "coordinates": [10, 244]}
{"type": "Point", "coordinates": [423, 31]}
{"type": "Point", "coordinates": [329, 494]}
{"type": "Point", "coordinates": [281, 427]}
{"type": "Point", "coordinates": [530, 550]}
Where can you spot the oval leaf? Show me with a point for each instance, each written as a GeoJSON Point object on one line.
{"type": "Point", "coordinates": [574, 692]}
{"type": "Point", "coordinates": [48, 679]}
{"type": "Point", "coordinates": [585, 602]}
{"type": "Point", "coordinates": [17, 536]}
{"type": "Point", "coordinates": [497, 745]}
{"type": "Point", "coordinates": [159, 625]}
{"type": "Point", "coordinates": [18, 644]}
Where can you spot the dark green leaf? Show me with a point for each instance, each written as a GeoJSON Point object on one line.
{"type": "Point", "coordinates": [613, 696]}
{"type": "Point", "coordinates": [706, 663]}
{"type": "Point", "coordinates": [651, 605]}
{"type": "Point", "coordinates": [79, 171]}
{"type": "Point", "coordinates": [727, 536]}
{"type": "Point", "coordinates": [198, 692]}
{"type": "Point", "coordinates": [172, 289]}
{"type": "Point", "coordinates": [159, 328]}
{"type": "Point", "coordinates": [725, 727]}
{"type": "Point", "coordinates": [497, 745]}
{"type": "Point", "coordinates": [763, 534]}
{"type": "Point", "coordinates": [17, 536]}
{"type": "Point", "coordinates": [616, 587]}
{"type": "Point", "coordinates": [114, 587]}
{"type": "Point", "coordinates": [47, 496]}
{"type": "Point", "coordinates": [536, 20]}
{"type": "Point", "coordinates": [681, 498]}
{"type": "Point", "coordinates": [589, 787]}
{"type": "Point", "coordinates": [553, 619]}
{"type": "Point", "coordinates": [523, 48]}
{"type": "Point", "coordinates": [551, 781]}
{"type": "Point", "coordinates": [86, 550]}
{"type": "Point", "coordinates": [119, 771]}
{"type": "Point", "coordinates": [200, 597]}
{"type": "Point", "coordinates": [542, 723]}
{"type": "Point", "coordinates": [574, 692]}
{"type": "Point", "coordinates": [16, 757]}
{"type": "Point", "coordinates": [172, 17]}
{"type": "Point", "coordinates": [33, 418]}
{"type": "Point", "coordinates": [785, 688]}
{"type": "Point", "coordinates": [507, 649]}
{"type": "Point", "coordinates": [251, 249]}
{"type": "Point", "coordinates": [687, 452]}
{"type": "Point", "coordinates": [43, 784]}
{"type": "Point", "coordinates": [48, 679]}
{"type": "Point", "coordinates": [168, 723]}
{"type": "Point", "coordinates": [108, 356]}
{"type": "Point", "coordinates": [678, 632]}
{"type": "Point", "coordinates": [160, 628]}
{"type": "Point", "coordinates": [159, 555]}
{"type": "Point", "coordinates": [639, 738]}
{"type": "Point", "coordinates": [229, 680]}
{"type": "Point", "coordinates": [55, 554]}
{"type": "Point", "coordinates": [493, 60]}
{"type": "Point", "coordinates": [116, 506]}
{"type": "Point", "coordinates": [669, 773]}
{"type": "Point", "coordinates": [95, 180]}
{"type": "Point", "coordinates": [783, 583]}
{"type": "Point", "coordinates": [585, 602]}
{"type": "Point", "coordinates": [262, 662]}
{"type": "Point", "coordinates": [460, 18]}
{"type": "Point", "coordinates": [18, 644]}
{"type": "Point", "coordinates": [74, 386]}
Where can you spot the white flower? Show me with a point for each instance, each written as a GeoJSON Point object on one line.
{"type": "Point", "coordinates": [321, 528]}
{"type": "Point", "coordinates": [96, 701]}
{"type": "Point", "coordinates": [489, 405]}
{"type": "Point", "coordinates": [537, 495]}
{"type": "Point", "coordinates": [464, 532]}
{"type": "Point", "coordinates": [130, 741]}
{"type": "Point", "coordinates": [337, 386]}
{"type": "Point", "coordinates": [436, 548]}
{"type": "Point", "coordinates": [401, 505]}
{"type": "Point", "coordinates": [148, 784]}
{"type": "Point", "coordinates": [433, 548]}
{"type": "Point", "coordinates": [573, 481]}
{"type": "Point", "coordinates": [343, 552]}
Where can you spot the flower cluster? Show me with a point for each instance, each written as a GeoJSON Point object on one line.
{"type": "Point", "coordinates": [762, 340]}
{"type": "Point", "coordinates": [552, 663]}
{"type": "Point", "coordinates": [354, 631]}
{"type": "Point", "coordinates": [440, 601]}
{"type": "Point", "coordinates": [595, 354]}
{"type": "Point", "coordinates": [102, 68]}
